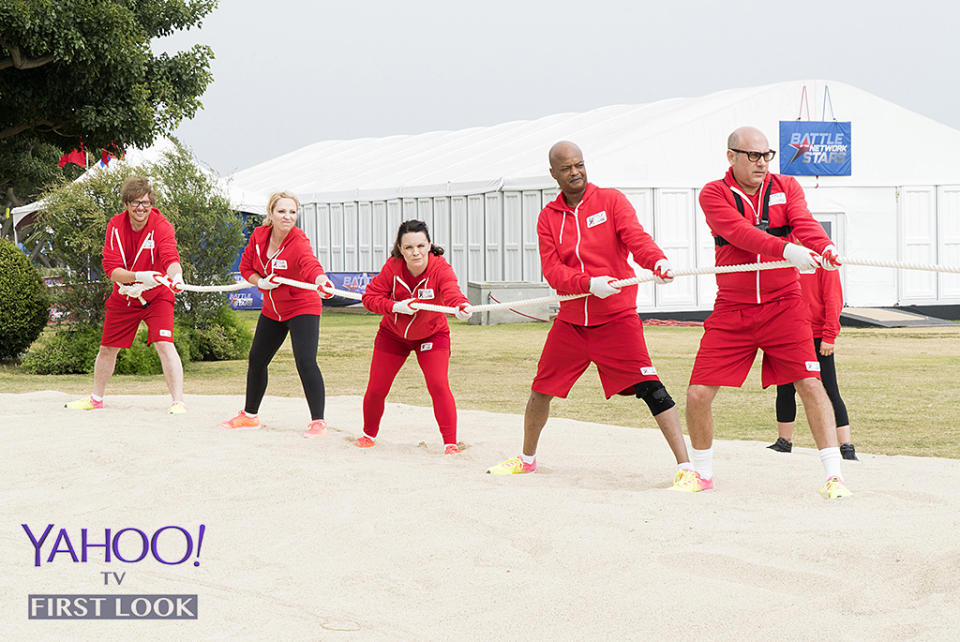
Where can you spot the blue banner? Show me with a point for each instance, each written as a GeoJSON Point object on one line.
{"type": "Point", "coordinates": [248, 299]}
{"type": "Point", "coordinates": [815, 148]}
{"type": "Point", "coordinates": [351, 282]}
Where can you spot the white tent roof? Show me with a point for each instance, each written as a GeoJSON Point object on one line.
{"type": "Point", "coordinates": [670, 143]}
{"type": "Point", "coordinates": [242, 200]}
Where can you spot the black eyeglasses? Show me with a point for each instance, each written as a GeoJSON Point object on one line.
{"type": "Point", "coordinates": [753, 157]}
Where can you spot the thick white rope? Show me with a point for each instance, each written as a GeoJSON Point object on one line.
{"type": "Point", "coordinates": [136, 289]}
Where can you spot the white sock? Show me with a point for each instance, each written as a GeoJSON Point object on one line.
{"type": "Point", "coordinates": [529, 459]}
{"type": "Point", "coordinates": [95, 397]}
{"type": "Point", "coordinates": [247, 414]}
{"type": "Point", "coordinates": [369, 437]}
{"type": "Point", "coordinates": [831, 459]}
{"type": "Point", "coordinates": [685, 466]}
{"type": "Point", "coordinates": [703, 461]}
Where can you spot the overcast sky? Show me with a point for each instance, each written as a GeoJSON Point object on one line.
{"type": "Point", "coordinates": [289, 73]}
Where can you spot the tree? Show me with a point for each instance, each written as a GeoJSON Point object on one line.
{"type": "Point", "coordinates": [76, 71]}
{"type": "Point", "coordinates": [74, 220]}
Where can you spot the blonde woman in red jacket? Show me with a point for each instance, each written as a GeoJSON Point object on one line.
{"type": "Point", "coordinates": [416, 271]}
{"type": "Point", "coordinates": [280, 249]}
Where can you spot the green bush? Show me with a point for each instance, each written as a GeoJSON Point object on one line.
{"type": "Point", "coordinates": [225, 336]}
{"type": "Point", "coordinates": [24, 302]}
{"type": "Point", "coordinates": [70, 351]}
{"type": "Point", "coordinates": [141, 359]}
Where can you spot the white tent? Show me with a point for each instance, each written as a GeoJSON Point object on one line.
{"type": "Point", "coordinates": [481, 188]}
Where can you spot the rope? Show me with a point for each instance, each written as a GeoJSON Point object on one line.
{"type": "Point", "coordinates": [136, 290]}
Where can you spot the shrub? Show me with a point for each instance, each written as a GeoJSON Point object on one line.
{"type": "Point", "coordinates": [225, 336]}
{"type": "Point", "coordinates": [70, 351]}
{"type": "Point", "coordinates": [24, 302]}
{"type": "Point", "coordinates": [141, 359]}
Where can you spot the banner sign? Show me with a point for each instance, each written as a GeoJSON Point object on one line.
{"type": "Point", "coordinates": [815, 148]}
{"type": "Point", "coordinates": [351, 282]}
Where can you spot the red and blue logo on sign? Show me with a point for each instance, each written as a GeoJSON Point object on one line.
{"type": "Point", "coordinates": [815, 148]}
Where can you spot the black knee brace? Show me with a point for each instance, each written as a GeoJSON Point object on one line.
{"type": "Point", "coordinates": [656, 396]}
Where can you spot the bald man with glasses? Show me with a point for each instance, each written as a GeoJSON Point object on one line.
{"type": "Point", "coordinates": [750, 212]}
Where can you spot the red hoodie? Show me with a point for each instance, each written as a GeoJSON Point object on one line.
{"type": "Point", "coordinates": [593, 239]}
{"type": "Point", "coordinates": [746, 244]}
{"type": "Point", "coordinates": [824, 296]}
{"type": "Point", "coordinates": [152, 248]}
{"type": "Point", "coordinates": [437, 285]}
{"type": "Point", "coordinates": [294, 260]}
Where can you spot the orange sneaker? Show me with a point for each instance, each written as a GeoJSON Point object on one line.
{"type": "Point", "coordinates": [451, 449]}
{"type": "Point", "coordinates": [241, 422]}
{"type": "Point", "coordinates": [316, 428]}
{"type": "Point", "coordinates": [365, 442]}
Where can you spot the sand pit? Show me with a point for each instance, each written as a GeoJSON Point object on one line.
{"type": "Point", "coordinates": [316, 539]}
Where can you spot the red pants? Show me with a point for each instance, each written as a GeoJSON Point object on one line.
{"type": "Point", "coordinates": [389, 355]}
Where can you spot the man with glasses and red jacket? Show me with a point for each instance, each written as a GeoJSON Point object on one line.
{"type": "Point", "coordinates": [750, 213]}
{"type": "Point", "coordinates": [585, 236]}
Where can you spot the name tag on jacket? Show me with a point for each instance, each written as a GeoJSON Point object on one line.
{"type": "Point", "coordinates": [425, 293]}
{"type": "Point", "coordinates": [601, 217]}
{"type": "Point", "coordinates": [778, 199]}
{"type": "Point", "coordinates": [279, 264]}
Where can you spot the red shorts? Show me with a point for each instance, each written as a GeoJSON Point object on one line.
{"type": "Point", "coordinates": [734, 331]}
{"type": "Point", "coordinates": [389, 342]}
{"type": "Point", "coordinates": [617, 347]}
{"type": "Point", "coordinates": [120, 326]}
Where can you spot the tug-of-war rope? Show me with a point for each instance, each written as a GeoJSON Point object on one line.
{"type": "Point", "coordinates": [135, 290]}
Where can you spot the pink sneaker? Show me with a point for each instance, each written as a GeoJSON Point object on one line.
{"type": "Point", "coordinates": [365, 442]}
{"type": "Point", "coordinates": [451, 449]}
{"type": "Point", "coordinates": [241, 422]}
{"type": "Point", "coordinates": [316, 428]}
{"type": "Point", "coordinates": [705, 484]}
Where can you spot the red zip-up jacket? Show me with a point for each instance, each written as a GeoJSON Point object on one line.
{"type": "Point", "coordinates": [152, 249]}
{"type": "Point", "coordinates": [593, 239]}
{"type": "Point", "coordinates": [294, 260]}
{"type": "Point", "coordinates": [824, 296]}
{"type": "Point", "coordinates": [747, 244]}
{"type": "Point", "coordinates": [437, 285]}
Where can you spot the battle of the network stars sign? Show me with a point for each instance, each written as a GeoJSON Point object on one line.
{"type": "Point", "coordinates": [815, 148]}
{"type": "Point", "coordinates": [169, 546]}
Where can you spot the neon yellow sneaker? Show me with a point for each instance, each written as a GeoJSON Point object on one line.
{"type": "Point", "coordinates": [834, 488]}
{"type": "Point", "coordinates": [513, 466]}
{"type": "Point", "coordinates": [688, 481]}
{"type": "Point", "coordinates": [84, 404]}
{"type": "Point", "coordinates": [177, 408]}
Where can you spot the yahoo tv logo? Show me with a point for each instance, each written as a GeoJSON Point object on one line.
{"type": "Point", "coordinates": [169, 545]}
{"type": "Point", "coordinates": [129, 545]}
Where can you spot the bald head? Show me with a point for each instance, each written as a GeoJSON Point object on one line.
{"type": "Point", "coordinates": [567, 168]}
{"type": "Point", "coordinates": [563, 149]}
{"type": "Point", "coordinates": [737, 137]}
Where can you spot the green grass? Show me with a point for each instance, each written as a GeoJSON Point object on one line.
{"type": "Point", "coordinates": [900, 385]}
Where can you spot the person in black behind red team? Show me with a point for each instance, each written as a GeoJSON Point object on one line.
{"type": "Point", "coordinates": [415, 272]}
{"type": "Point", "coordinates": [280, 249]}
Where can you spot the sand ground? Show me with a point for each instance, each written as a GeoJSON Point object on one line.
{"type": "Point", "coordinates": [317, 539]}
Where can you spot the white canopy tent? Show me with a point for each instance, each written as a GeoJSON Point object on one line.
{"type": "Point", "coordinates": [481, 188]}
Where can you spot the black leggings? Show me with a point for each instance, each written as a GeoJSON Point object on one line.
{"type": "Point", "coordinates": [787, 402]}
{"type": "Point", "coordinates": [304, 335]}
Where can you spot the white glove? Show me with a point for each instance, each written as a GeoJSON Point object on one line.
{"type": "Point", "coordinates": [831, 258]}
{"type": "Point", "coordinates": [150, 279]}
{"type": "Point", "coordinates": [403, 307]}
{"type": "Point", "coordinates": [267, 283]}
{"type": "Point", "coordinates": [600, 286]}
{"type": "Point", "coordinates": [176, 282]}
{"type": "Point", "coordinates": [663, 272]}
{"type": "Point", "coordinates": [464, 311]}
{"type": "Point", "coordinates": [801, 257]}
{"type": "Point", "coordinates": [325, 287]}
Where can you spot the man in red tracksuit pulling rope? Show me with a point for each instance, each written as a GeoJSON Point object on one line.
{"type": "Point", "coordinates": [585, 236]}
{"type": "Point", "coordinates": [750, 212]}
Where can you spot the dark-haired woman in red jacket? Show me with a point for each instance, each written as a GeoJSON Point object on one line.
{"type": "Point", "coordinates": [415, 272]}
